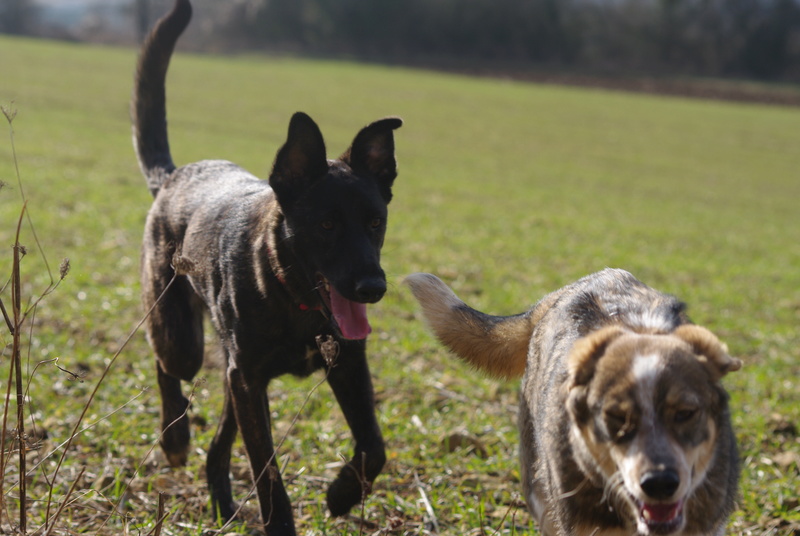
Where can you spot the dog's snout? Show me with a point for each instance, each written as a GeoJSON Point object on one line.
{"type": "Point", "coordinates": [660, 484]}
{"type": "Point", "coordinates": [371, 290]}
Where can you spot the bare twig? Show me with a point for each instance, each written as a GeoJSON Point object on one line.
{"type": "Point", "coordinates": [17, 366]}
{"type": "Point", "coordinates": [3, 459]}
{"type": "Point", "coordinates": [364, 492]}
{"type": "Point", "coordinates": [9, 323]}
{"type": "Point", "coordinates": [147, 455]}
{"type": "Point", "coordinates": [426, 503]}
{"type": "Point", "coordinates": [68, 495]}
{"type": "Point", "coordinates": [48, 529]}
{"type": "Point", "coordinates": [85, 428]}
{"type": "Point", "coordinates": [14, 326]}
{"type": "Point", "coordinates": [10, 114]}
{"type": "Point", "coordinates": [160, 516]}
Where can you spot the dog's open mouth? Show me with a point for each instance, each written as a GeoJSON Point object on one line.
{"type": "Point", "coordinates": [349, 316]}
{"type": "Point", "coordinates": [662, 518]}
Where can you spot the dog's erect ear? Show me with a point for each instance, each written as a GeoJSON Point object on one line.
{"type": "Point", "coordinates": [709, 350]}
{"type": "Point", "coordinates": [372, 154]}
{"type": "Point", "coordinates": [300, 162]}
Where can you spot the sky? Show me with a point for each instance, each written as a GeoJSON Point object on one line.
{"type": "Point", "coordinates": [71, 12]}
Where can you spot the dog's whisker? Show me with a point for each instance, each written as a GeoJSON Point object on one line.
{"type": "Point", "coordinates": [614, 487]}
{"type": "Point", "coordinates": [568, 494]}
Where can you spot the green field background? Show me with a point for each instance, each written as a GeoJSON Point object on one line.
{"type": "Point", "coordinates": [507, 190]}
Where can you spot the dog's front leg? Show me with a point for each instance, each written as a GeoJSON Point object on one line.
{"type": "Point", "coordinates": [351, 383]}
{"type": "Point", "coordinates": [251, 408]}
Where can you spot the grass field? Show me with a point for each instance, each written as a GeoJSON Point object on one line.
{"type": "Point", "coordinates": [506, 191]}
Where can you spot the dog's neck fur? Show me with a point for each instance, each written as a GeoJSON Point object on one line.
{"type": "Point", "coordinates": [585, 485]}
{"type": "Point", "coordinates": [274, 234]}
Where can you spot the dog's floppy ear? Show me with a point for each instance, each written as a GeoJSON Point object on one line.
{"type": "Point", "coordinates": [709, 350]}
{"type": "Point", "coordinates": [300, 162]}
{"type": "Point", "coordinates": [372, 154]}
{"type": "Point", "coordinates": [582, 363]}
{"type": "Point", "coordinates": [587, 351]}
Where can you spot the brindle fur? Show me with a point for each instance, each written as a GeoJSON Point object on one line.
{"type": "Point", "coordinates": [577, 348]}
{"type": "Point", "coordinates": [259, 257]}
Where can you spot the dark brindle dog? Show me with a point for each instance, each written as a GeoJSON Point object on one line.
{"type": "Point", "coordinates": [277, 265]}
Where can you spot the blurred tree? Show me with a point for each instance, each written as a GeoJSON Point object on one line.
{"type": "Point", "coordinates": [142, 17]}
{"type": "Point", "coordinates": [765, 52]}
{"type": "Point", "coordinates": [752, 38]}
{"type": "Point", "coordinates": [701, 37]}
{"type": "Point", "coordinates": [16, 16]}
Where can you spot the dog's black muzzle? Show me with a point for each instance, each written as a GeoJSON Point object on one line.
{"type": "Point", "coordinates": [370, 289]}
{"type": "Point", "coordinates": [660, 485]}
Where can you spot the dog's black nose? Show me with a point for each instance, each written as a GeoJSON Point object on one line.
{"type": "Point", "coordinates": [660, 484]}
{"type": "Point", "coordinates": [370, 290]}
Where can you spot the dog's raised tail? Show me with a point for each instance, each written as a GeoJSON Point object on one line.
{"type": "Point", "coordinates": [497, 345]}
{"type": "Point", "coordinates": [148, 106]}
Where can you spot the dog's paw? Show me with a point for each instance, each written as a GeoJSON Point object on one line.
{"type": "Point", "coordinates": [177, 459]}
{"type": "Point", "coordinates": [224, 512]}
{"type": "Point", "coordinates": [345, 492]}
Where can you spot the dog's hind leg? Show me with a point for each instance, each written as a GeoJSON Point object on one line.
{"type": "Point", "coordinates": [175, 332]}
{"type": "Point", "coordinates": [175, 433]}
{"type": "Point", "coordinates": [219, 461]}
{"type": "Point", "coordinates": [351, 383]}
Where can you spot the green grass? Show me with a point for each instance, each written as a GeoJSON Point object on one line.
{"type": "Point", "coordinates": [506, 190]}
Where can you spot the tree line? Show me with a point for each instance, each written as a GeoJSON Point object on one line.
{"type": "Point", "coordinates": [753, 38]}
{"type": "Point", "coordinates": [741, 38]}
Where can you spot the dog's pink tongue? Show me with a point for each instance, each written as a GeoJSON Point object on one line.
{"type": "Point", "coordinates": [350, 316]}
{"type": "Point", "coordinates": [661, 513]}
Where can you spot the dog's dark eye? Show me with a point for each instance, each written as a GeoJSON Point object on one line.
{"type": "Point", "coordinates": [684, 415]}
{"type": "Point", "coordinates": [328, 225]}
{"type": "Point", "coordinates": [376, 223]}
{"type": "Point", "coordinates": [620, 426]}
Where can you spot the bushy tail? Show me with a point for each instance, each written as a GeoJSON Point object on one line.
{"type": "Point", "coordinates": [494, 344]}
{"type": "Point", "coordinates": [148, 108]}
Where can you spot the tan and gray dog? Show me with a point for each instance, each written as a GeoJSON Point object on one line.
{"type": "Point", "coordinates": [625, 427]}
